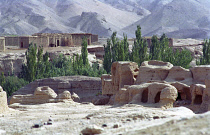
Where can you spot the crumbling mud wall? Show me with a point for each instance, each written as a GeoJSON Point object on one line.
{"type": "Point", "coordinates": [2, 44]}
{"type": "Point", "coordinates": [3, 101]}
{"type": "Point", "coordinates": [159, 83]}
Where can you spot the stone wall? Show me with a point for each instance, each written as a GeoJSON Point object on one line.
{"type": "Point", "coordinates": [77, 38]}
{"type": "Point", "coordinates": [43, 41]}
{"type": "Point", "coordinates": [12, 41]}
{"type": "Point", "coordinates": [2, 44]}
{"type": "Point", "coordinates": [94, 38]}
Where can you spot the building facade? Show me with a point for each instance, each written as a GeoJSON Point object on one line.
{"type": "Point", "coordinates": [50, 39]}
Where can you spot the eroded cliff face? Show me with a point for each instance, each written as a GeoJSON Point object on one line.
{"type": "Point", "coordinates": [159, 83]}
{"type": "Point", "coordinates": [51, 90]}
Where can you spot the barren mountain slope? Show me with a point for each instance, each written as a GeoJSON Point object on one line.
{"type": "Point", "coordinates": [188, 17]}
{"type": "Point", "coordinates": [128, 5]}
{"type": "Point", "coordinates": [177, 18]}
{"type": "Point", "coordinates": [31, 16]}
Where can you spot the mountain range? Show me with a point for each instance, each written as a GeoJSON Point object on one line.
{"type": "Point", "coordinates": [176, 18]}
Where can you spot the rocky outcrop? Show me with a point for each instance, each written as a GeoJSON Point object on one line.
{"type": "Point", "coordinates": [98, 51]}
{"type": "Point", "coordinates": [168, 96]}
{"type": "Point", "coordinates": [3, 101]}
{"type": "Point", "coordinates": [11, 63]}
{"type": "Point", "coordinates": [86, 88]}
{"type": "Point", "coordinates": [153, 70]}
{"type": "Point", "coordinates": [41, 95]}
{"type": "Point", "coordinates": [101, 100]}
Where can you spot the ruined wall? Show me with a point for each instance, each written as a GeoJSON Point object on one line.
{"type": "Point", "coordinates": [12, 41]}
{"type": "Point", "coordinates": [77, 38]}
{"type": "Point", "coordinates": [185, 87]}
{"type": "Point", "coordinates": [41, 40]}
{"type": "Point", "coordinates": [94, 38]}
{"type": "Point", "coordinates": [2, 44]}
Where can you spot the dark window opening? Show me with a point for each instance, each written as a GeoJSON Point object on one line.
{"type": "Point", "coordinates": [179, 97]}
{"type": "Point", "coordinates": [144, 97]}
{"type": "Point", "coordinates": [198, 99]}
{"type": "Point", "coordinates": [21, 44]}
{"type": "Point", "coordinates": [157, 97]}
{"type": "Point", "coordinates": [88, 41]}
{"type": "Point", "coordinates": [58, 43]}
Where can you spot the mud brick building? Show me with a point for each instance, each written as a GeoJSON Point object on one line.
{"type": "Point", "coordinates": [48, 39]}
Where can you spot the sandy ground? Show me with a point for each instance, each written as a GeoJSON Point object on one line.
{"type": "Point", "coordinates": [71, 118]}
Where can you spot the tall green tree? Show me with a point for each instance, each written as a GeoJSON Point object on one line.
{"type": "Point", "coordinates": [114, 46]}
{"type": "Point", "coordinates": [139, 49]}
{"type": "Point", "coordinates": [155, 49]}
{"type": "Point", "coordinates": [107, 63]}
{"type": "Point", "coordinates": [205, 59]}
{"type": "Point", "coordinates": [84, 52]}
{"type": "Point", "coordinates": [31, 64]}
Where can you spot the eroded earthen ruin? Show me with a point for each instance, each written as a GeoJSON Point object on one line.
{"type": "Point", "coordinates": [3, 101]}
{"type": "Point", "coordinates": [159, 83]}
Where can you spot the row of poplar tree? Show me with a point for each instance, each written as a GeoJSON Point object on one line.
{"type": "Point", "coordinates": [118, 50]}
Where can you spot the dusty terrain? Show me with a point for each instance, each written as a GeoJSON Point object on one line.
{"type": "Point", "coordinates": [72, 118]}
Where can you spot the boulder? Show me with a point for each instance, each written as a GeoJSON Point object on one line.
{"type": "Point", "coordinates": [3, 101]}
{"type": "Point", "coordinates": [44, 93]}
{"type": "Point", "coordinates": [168, 96]}
{"type": "Point", "coordinates": [179, 74]}
{"type": "Point", "coordinates": [101, 100]}
{"type": "Point", "coordinates": [92, 130]}
{"type": "Point", "coordinates": [75, 97]}
{"type": "Point", "coordinates": [153, 70]}
{"type": "Point", "coordinates": [65, 96]}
